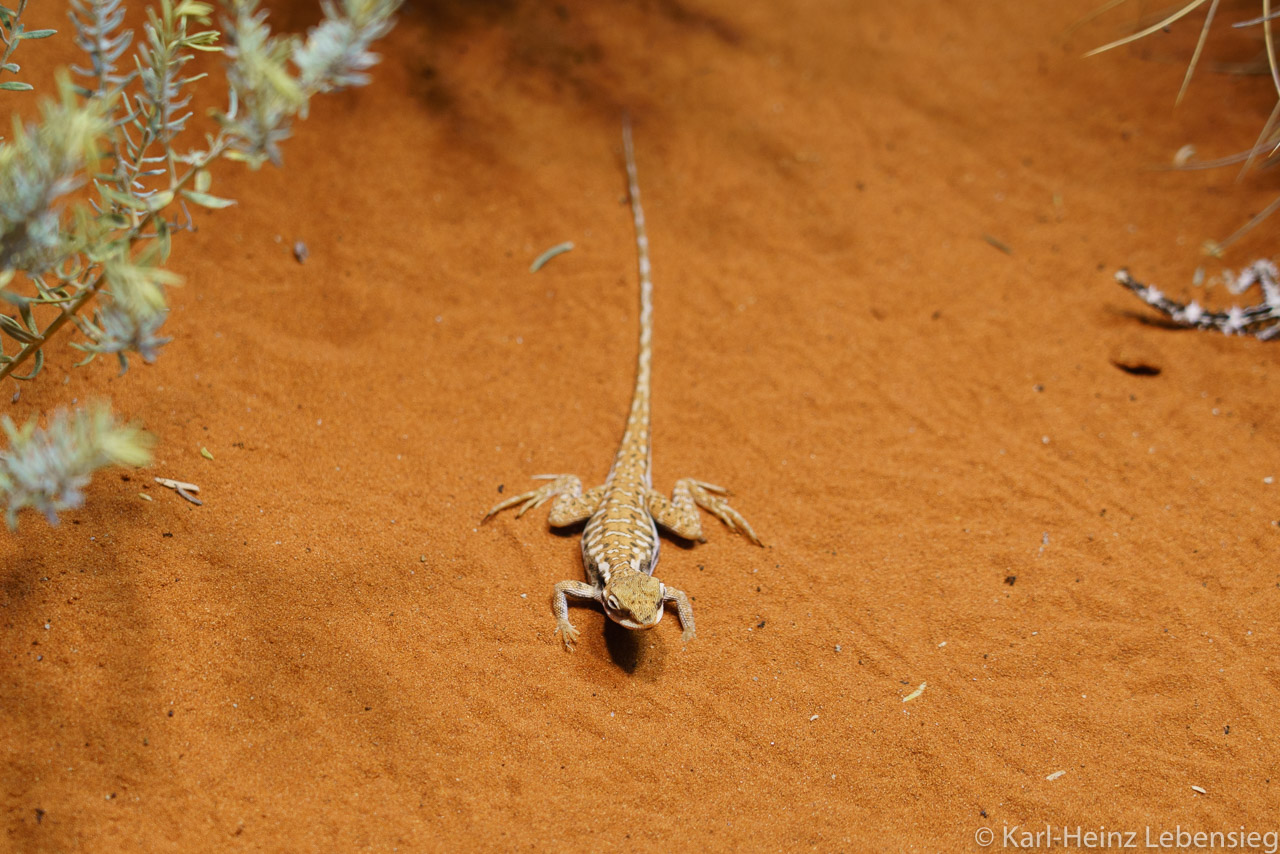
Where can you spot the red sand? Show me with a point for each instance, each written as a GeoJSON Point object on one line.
{"type": "Point", "coordinates": [332, 654]}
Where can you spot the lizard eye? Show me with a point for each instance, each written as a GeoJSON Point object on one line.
{"type": "Point", "coordinates": [613, 602]}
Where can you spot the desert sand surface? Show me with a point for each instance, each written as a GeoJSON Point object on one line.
{"type": "Point", "coordinates": [883, 238]}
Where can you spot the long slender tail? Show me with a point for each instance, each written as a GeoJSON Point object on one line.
{"type": "Point", "coordinates": [642, 252]}
{"type": "Point", "coordinates": [638, 420]}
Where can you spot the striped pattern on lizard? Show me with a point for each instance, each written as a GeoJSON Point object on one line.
{"type": "Point", "coordinates": [620, 541]}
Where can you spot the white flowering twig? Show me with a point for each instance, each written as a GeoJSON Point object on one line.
{"type": "Point", "coordinates": [1261, 319]}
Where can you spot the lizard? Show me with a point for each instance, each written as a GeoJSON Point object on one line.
{"type": "Point", "coordinates": [620, 542]}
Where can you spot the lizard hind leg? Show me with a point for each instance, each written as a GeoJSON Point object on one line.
{"type": "Point", "coordinates": [680, 514]}
{"type": "Point", "coordinates": [570, 509]}
{"type": "Point", "coordinates": [571, 504]}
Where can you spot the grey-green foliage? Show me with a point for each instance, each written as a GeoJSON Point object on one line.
{"type": "Point", "coordinates": [12, 32]}
{"type": "Point", "coordinates": [336, 54]}
{"type": "Point", "coordinates": [39, 165]}
{"type": "Point", "coordinates": [95, 261]}
{"type": "Point", "coordinates": [48, 468]}
{"type": "Point", "coordinates": [98, 34]}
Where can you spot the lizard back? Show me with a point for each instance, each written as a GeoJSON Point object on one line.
{"type": "Point", "coordinates": [622, 533]}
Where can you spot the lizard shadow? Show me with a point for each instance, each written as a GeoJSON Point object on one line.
{"type": "Point", "coordinates": [624, 646]}
{"type": "Point", "coordinates": [568, 532]}
{"type": "Point", "coordinates": [641, 654]}
{"type": "Point", "coordinates": [1150, 320]}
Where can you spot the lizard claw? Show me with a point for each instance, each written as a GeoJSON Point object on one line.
{"type": "Point", "coordinates": [567, 633]}
{"type": "Point", "coordinates": [710, 498]}
{"type": "Point", "coordinates": [711, 487]}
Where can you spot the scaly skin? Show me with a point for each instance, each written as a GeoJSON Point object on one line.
{"type": "Point", "coordinates": [620, 541]}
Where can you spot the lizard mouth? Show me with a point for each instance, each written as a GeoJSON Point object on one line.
{"type": "Point", "coordinates": [628, 623]}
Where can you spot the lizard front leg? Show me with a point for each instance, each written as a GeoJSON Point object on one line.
{"type": "Point", "coordinates": [571, 504]}
{"type": "Point", "coordinates": [684, 611]}
{"type": "Point", "coordinates": [680, 514]}
{"type": "Point", "coordinates": [560, 605]}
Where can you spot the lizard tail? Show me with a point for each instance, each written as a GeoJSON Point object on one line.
{"type": "Point", "coordinates": [639, 418]}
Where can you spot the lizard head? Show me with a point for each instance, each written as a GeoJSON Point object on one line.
{"type": "Point", "coordinates": [634, 599]}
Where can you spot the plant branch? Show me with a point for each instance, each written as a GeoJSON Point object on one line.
{"type": "Point", "coordinates": [73, 306]}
